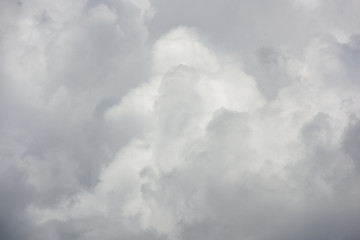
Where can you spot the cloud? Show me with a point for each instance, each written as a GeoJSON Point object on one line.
{"type": "Point", "coordinates": [132, 120]}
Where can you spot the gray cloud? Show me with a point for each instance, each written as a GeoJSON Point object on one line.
{"type": "Point", "coordinates": [158, 119]}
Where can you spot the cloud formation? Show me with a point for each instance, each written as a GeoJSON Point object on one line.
{"type": "Point", "coordinates": [152, 119]}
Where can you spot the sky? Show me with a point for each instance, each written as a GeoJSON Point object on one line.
{"type": "Point", "coordinates": [179, 119]}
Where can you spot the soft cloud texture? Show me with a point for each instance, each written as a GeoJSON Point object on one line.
{"type": "Point", "coordinates": [136, 119]}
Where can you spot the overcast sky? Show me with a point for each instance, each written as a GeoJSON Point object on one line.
{"type": "Point", "coordinates": [180, 119]}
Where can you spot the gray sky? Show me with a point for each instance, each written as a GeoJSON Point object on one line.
{"type": "Point", "coordinates": [179, 119]}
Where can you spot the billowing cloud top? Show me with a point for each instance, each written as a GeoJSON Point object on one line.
{"type": "Point", "coordinates": [179, 120]}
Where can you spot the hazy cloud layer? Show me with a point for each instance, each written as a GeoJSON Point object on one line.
{"type": "Point", "coordinates": [157, 119]}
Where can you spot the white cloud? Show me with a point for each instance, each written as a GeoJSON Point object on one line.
{"type": "Point", "coordinates": [133, 120]}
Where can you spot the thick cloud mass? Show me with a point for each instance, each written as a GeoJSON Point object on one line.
{"type": "Point", "coordinates": [179, 120]}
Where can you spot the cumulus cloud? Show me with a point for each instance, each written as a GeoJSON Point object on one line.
{"type": "Point", "coordinates": [157, 119]}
